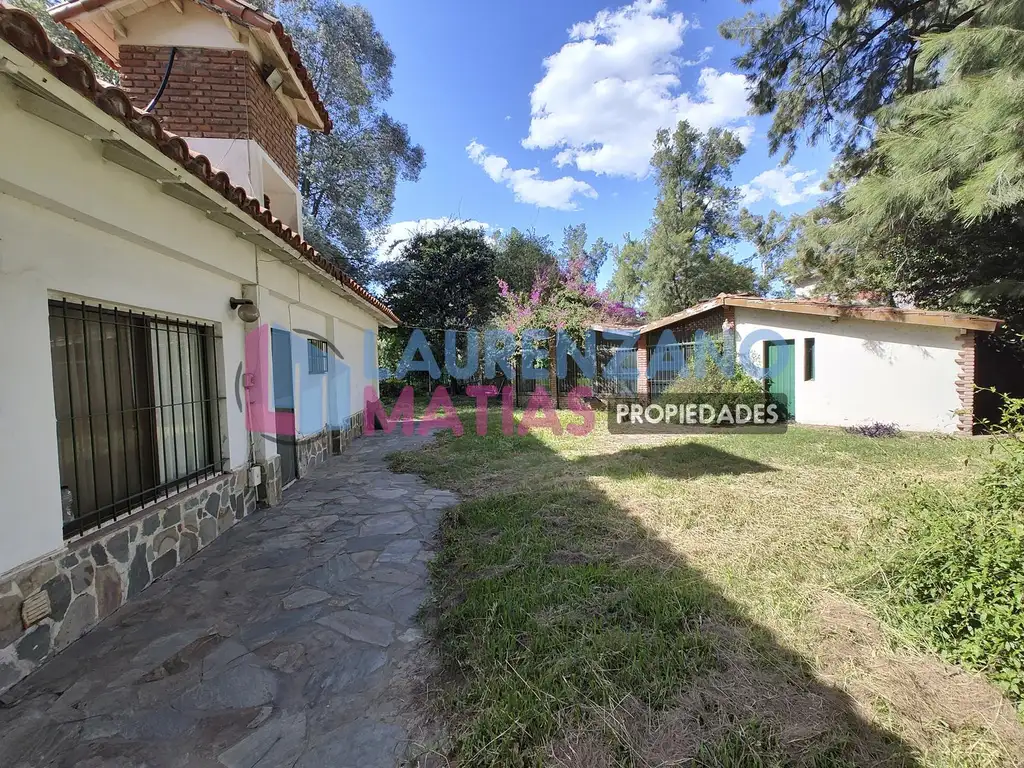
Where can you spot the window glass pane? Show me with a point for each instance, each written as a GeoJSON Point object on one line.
{"type": "Point", "coordinates": [808, 359]}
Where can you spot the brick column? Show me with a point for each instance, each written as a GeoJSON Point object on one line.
{"type": "Point", "coordinates": [965, 382]}
{"type": "Point", "coordinates": [642, 384]}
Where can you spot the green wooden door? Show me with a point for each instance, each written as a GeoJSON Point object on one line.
{"type": "Point", "coordinates": [781, 361]}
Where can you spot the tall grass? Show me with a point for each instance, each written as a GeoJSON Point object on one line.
{"type": "Point", "coordinates": [950, 568]}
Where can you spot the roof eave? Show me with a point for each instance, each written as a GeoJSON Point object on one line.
{"type": "Point", "coordinates": [930, 318]}
{"type": "Point", "coordinates": [273, 31]}
{"type": "Point", "coordinates": [72, 77]}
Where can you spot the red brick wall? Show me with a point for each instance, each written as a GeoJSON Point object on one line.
{"type": "Point", "coordinates": [211, 94]}
{"type": "Point", "coordinates": [271, 125]}
{"type": "Point", "coordinates": [729, 317]}
{"type": "Point", "coordinates": [642, 384]}
{"type": "Point", "coordinates": [205, 96]}
{"type": "Point", "coordinates": [686, 330]}
{"type": "Point", "coordinates": [709, 322]}
{"type": "Point", "coordinates": [965, 381]}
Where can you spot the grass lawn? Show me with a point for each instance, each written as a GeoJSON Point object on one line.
{"type": "Point", "coordinates": [609, 600]}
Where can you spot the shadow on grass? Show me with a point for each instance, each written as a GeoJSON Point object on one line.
{"type": "Point", "coordinates": [678, 461]}
{"type": "Point", "coordinates": [569, 635]}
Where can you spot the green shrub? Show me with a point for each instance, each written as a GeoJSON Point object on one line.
{"type": "Point", "coordinates": [723, 388]}
{"type": "Point", "coordinates": [954, 572]}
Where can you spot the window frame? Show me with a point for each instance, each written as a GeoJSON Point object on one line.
{"type": "Point", "coordinates": [810, 361]}
{"type": "Point", "coordinates": [124, 443]}
{"type": "Point", "coordinates": [319, 359]}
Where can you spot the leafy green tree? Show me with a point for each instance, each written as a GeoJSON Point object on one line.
{"type": "Point", "coordinates": [347, 178]}
{"type": "Point", "coordinates": [65, 38]}
{"type": "Point", "coordinates": [772, 238]}
{"type": "Point", "coordinates": [944, 265]}
{"type": "Point", "coordinates": [443, 279]}
{"type": "Point", "coordinates": [439, 281]}
{"type": "Point", "coordinates": [694, 220]}
{"type": "Point", "coordinates": [574, 247]}
{"type": "Point", "coordinates": [823, 69]}
{"type": "Point", "coordinates": [521, 255]}
{"type": "Point", "coordinates": [626, 285]}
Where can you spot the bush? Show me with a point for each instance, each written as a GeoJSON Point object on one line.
{"type": "Point", "coordinates": [878, 429]}
{"type": "Point", "coordinates": [715, 380]}
{"type": "Point", "coordinates": [956, 576]}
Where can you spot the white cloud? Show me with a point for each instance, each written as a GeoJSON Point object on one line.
{"type": "Point", "coordinates": [399, 232]}
{"type": "Point", "coordinates": [703, 56]}
{"type": "Point", "coordinates": [525, 183]}
{"type": "Point", "coordinates": [784, 185]}
{"type": "Point", "coordinates": [606, 92]}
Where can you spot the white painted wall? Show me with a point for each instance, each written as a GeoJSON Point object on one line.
{"type": "Point", "coordinates": [195, 27]}
{"type": "Point", "coordinates": [867, 371]}
{"type": "Point", "coordinates": [235, 157]}
{"type": "Point", "coordinates": [251, 168]}
{"type": "Point", "coordinates": [74, 224]}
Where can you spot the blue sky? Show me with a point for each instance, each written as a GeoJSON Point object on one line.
{"type": "Point", "coordinates": [539, 114]}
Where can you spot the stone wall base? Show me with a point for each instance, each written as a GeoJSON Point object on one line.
{"type": "Point", "coordinates": [342, 438]}
{"type": "Point", "coordinates": [97, 574]}
{"type": "Point", "coordinates": [312, 450]}
{"type": "Point", "coordinates": [271, 487]}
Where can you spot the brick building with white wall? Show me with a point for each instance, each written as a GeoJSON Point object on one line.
{"type": "Point", "coordinates": [137, 249]}
{"type": "Point", "coordinates": [844, 365]}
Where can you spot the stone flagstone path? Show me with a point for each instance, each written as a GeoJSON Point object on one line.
{"type": "Point", "coordinates": [290, 641]}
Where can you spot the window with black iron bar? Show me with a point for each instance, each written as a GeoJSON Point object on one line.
{"type": "Point", "coordinates": [808, 359]}
{"type": "Point", "coordinates": [138, 409]}
{"type": "Point", "coordinates": [317, 356]}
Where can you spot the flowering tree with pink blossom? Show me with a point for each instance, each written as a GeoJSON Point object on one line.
{"type": "Point", "coordinates": [562, 299]}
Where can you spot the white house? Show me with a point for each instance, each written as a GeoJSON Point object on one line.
{"type": "Point", "coordinates": [843, 365]}
{"type": "Point", "coordinates": [144, 408]}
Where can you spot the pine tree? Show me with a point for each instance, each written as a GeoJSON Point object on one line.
{"type": "Point", "coordinates": [955, 150]}
{"type": "Point", "coordinates": [626, 284]}
{"type": "Point", "coordinates": [694, 220]}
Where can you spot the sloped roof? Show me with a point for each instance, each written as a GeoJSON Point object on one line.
{"type": "Point", "coordinates": [242, 12]}
{"type": "Point", "coordinates": [23, 32]}
{"type": "Point", "coordinates": [832, 309]}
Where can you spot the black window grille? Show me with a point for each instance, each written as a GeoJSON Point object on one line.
{"type": "Point", "coordinates": [137, 405]}
{"type": "Point", "coordinates": [669, 363]}
{"type": "Point", "coordinates": [616, 371]}
{"type": "Point", "coordinates": [317, 356]}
